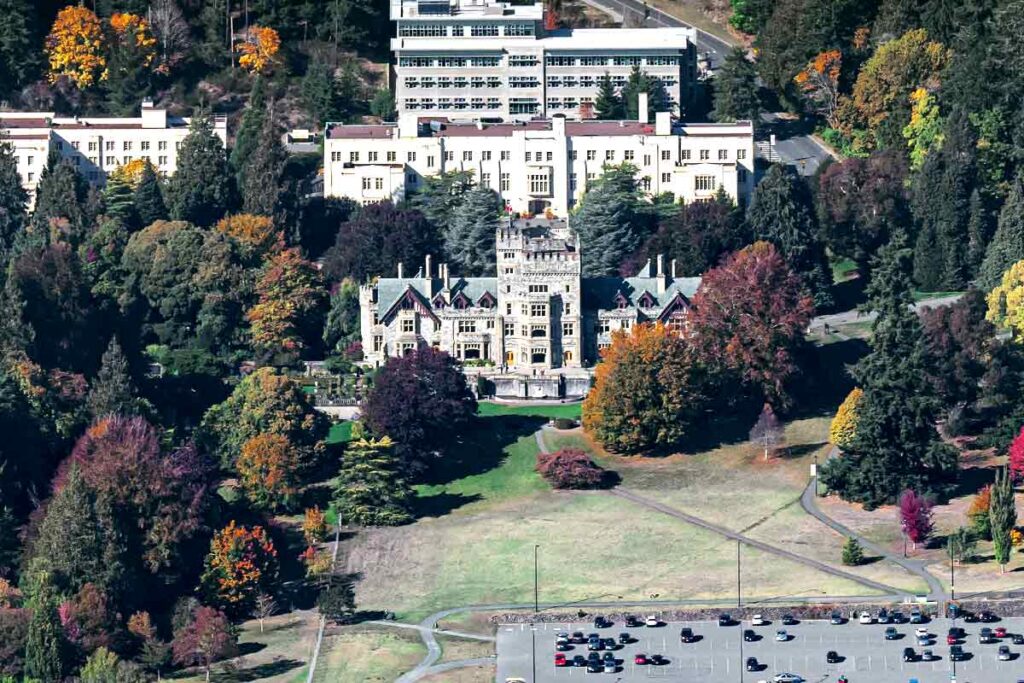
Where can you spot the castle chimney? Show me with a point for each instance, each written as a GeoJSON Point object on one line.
{"type": "Point", "coordinates": [399, 270]}
{"type": "Point", "coordinates": [641, 107]}
{"type": "Point", "coordinates": [427, 272]}
{"type": "Point", "coordinates": [661, 265]}
{"type": "Point", "coordinates": [673, 270]}
{"type": "Point", "coordinates": [444, 274]}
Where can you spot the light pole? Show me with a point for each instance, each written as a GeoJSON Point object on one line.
{"type": "Point", "coordinates": [536, 580]}
{"type": "Point", "coordinates": [739, 600]}
{"type": "Point", "coordinates": [815, 474]}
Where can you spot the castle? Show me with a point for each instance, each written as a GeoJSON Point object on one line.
{"type": "Point", "coordinates": [535, 327]}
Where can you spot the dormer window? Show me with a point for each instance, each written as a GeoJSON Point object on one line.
{"type": "Point", "coordinates": [647, 301]}
{"type": "Point", "coordinates": [487, 300]}
{"type": "Point", "coordinates": [461, 301]}
{"type": "Point", "coordinates": [620, 301]}
{"type": "Point", "coordinates": [439, 302]}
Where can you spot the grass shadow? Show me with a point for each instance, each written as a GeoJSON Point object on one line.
{"type": "Point", "coordinates": [798, 450]}
{"type": "Point", "coordinates": [441, 504]}
{"type": "Point", "coordinates": [255, 673]}
{"type": "Point", "coordinates": [480, 449]}
{"type": "Point", "coordinates": [826, 379]}
{"type": "Point", "coordinates": [250, 648]}
{"type": "Point", "coordinates": [973, 479]}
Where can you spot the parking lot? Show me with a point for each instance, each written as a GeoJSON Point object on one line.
{"type": "Point", "coordinates": [720, 653]}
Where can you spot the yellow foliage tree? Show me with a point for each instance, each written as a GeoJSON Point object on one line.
{"type": "Point", "coordinates": [819, 82]}
{"type": "Point", "coordinates": [1006, 301]}
{"type": "Point", "coordinates": [259, 51]}
{"type": "Point", "coordinates": [844, 425]}
{"type": "Point", "coordinates": [131, 173]}
{"type": "Point", "coordinates": [924, 132]}
{"type": "Point", "coordinates": [76, 47]}
{"type": "Point", "coordinates": [256, 234]}
{"type": "Point", "coordinates": [268, 469]}
{"type": "Point", "coordinates": [133, 30]}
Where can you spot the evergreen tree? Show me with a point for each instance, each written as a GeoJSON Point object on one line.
{"type": "Point", "coordinates": [383, 105]}
{"type": "Point", "coordinates": [342, 326]}
{"type": "Point", "coordinates": [608, 104]}
{"type": "Point", "coordinates": [200, 192]}
{"type": "Point", "coordinates": [853, 553]}
{"type": "Point", "coordinates": [1007, 245]}
{"type": "Point", "coordinates": [45, 648]}
{"type": "Point", "coordinates": [149, 199]}
{"type": "Point", "coordinates": [119, 201]}
{"type": "Point", "coordinates": [1002, 513]}
{"type": "Point", "coordinates": [320, 94]}
{"type": "Point", "coordinates": [735, 90]}
{"type": "Point", "coordinates": [641, 82]}
{"type": "Point", "coordinates": [112, 392]}
{"type": "Point", "coordinates": [13, 200]}
{"type": "Point", "coordinates": [469, 240]}
{"type": "Point", "coordinates": [250, 130]}
{"type": "Point", "coordinates": [782, 212]}
{"type": "Point", "coordinates": [979, 232]}
{"type": "Point", "coordinates": [60, 196]}
{"type": "Point", "coordinates": [606, 222]}
{"type": "Point", "coordinates": [262, 186]}
{"type": "Point", "coordinates": [896, 445]}
{"type": "Point", "coordinates": [371, 490]}
{"type": "Point", "coordinates": [18, 45]}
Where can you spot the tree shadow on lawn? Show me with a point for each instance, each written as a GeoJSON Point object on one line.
{"type": "Point", "coordinates": [798, 451]}
{"type": "Point", "coordinates": [825, 380]}
{"type": "Point", "coordinates": [480, 448]}
{"type": "Point", "coordinates": [972, 480]}
{"type": "Point", "coordinates": [255, 673]}
{"type": "Point", "coordinates": [441, 504]}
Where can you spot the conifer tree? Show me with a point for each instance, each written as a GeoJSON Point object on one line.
{"type": "Point", "coordinates": [262, 187]}
{"type": "Point", "coordinates": [469, 240]}
{"type": "Point", "coordinates": [782, 212]}
{"type": "Point", "coordinates": [45, 649]}
{"type": "Point", "coordinates": [112, 392]}
{"type": "Point", "coordinates": [607, 222]}
{"type": "Point", "coordinates": [200, 192]}
{"type": "Point", "coordinates": [248, 139]}
{"type": "Point", "coordinates": [896, 445]}
{"type": "Point", "coordinates": [60, 194]}
{"type": "Point", "coordinates": [608, 104]}
{"type": "Point", "coordinates": [149, 199]}
{"type": "Point", "coordinates": [1007, 245]}
{"type": "Point", "coordinates": [19, 47]}
{"type": "Point", "coordinates": [853, 553]}
{"type": "Point", "coordinates": [320, 94]}
{"type": "Point", "coordinates": [979, 232]}
{"type": "Point", "coordinates": [371, 490]}
{"type": "Point", "coordinates": [642, 82]}
{"type": "Point", "coordinates": [1002, 513]}
{"type": "Point", "coordinates": [13, 200]}
{"type": "Point", "coordinates": [735, 90]}
{"type": "Point", "coordinates": [342, 326]}
{"type": "Point", "coordinates": [119, 201]}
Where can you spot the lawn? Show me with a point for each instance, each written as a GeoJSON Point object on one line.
{"type": "Point", "coordinates": [341, 432]}
{"type": "Point", "coordinates": [368, 654]}
{"type": "Point", "coordinates": [552, 410]}
{"type": "Point", "coordinates": [473, 674]}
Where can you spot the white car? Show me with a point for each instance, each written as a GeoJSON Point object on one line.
{"type": "Point", "coordinates": [865, 618]}
{"type": "Point", "coordinates": [652, 621]}
{"type": "Point", "coordinates": [787, 678]}
{"type": "Point", "coordinates": [758, 620]}
{"type": "Point", "coordinates": [922, 632]}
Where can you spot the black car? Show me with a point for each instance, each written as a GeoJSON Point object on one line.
{"type": "Point", "coordinates": [836, 619]}
{"type": "Point", "coordinates": [562, 647]}
{"type": "Point", "coordinates": [956, 653]}
{"type": "Point", "coordinates": [988, 617]}
{"type": "Point", "coordinates": [657, 660]}
{"type": "Point", "coordinates": [985, 636]}
{"type": "Point", "coordinates": [625, 638]}
{"type": "Point", "coordinates": [601, 622]}
{"type": "Point", "coordinates": [578, 638]}
{"type": "Point", "coordinates": [884, 617]}
{"type": "Point", "coordinates": [724, 620]}
{"type": "Point", "coordinates": [968, 616]}
{"type": "Point", "coordinates": [686, 635]}
{"type": "Point", "coordinates": [897, 617]}
{"type": "Point", "coordinates": [608, 644]}
{"type": "Point", "coordinates": [749, 635]}
{"type": "Point", "coordinates": [607, 656]}
{"type": "Point", "coordinates": [752, 664]}
{"type": "Point", "coordinates": [595, 666]}
{"type": "Point", "coordinates": [1017, 639]}
{"type": "Point", "coordinates": [891, 633]}
{"type": "Point", "coordinates": [633, 622]}
{"type": "Point", "coordinates": [909, 655]}
{"type": "Point", "coordinates": [789, 620]}
{"type": "Point", "coordinates": [594, 643]}
{"type": "Point", "coordinates": [579, 660]}
{"type": "Point", "coordinates": [832, 657]}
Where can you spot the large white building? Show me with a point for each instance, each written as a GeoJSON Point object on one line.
{"type": "Point", "coordinates": [541, 165]}
{"type": "Point", "coordinates": [96, 146]}
{"type": "Point", "coordinates": [494, 59]}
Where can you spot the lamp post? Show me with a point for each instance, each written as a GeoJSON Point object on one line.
{"type": "Point", "coordinates": [739, 600]}
{"type": "Point", "coordinates": [536, 580]}
{"type": "Point", "coordinates": [814, 474]}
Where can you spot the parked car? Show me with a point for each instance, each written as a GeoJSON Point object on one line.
{"type": "Point", "coordinates": [633, 622]}
{"type": "Point", "coordinates": [579, 660]}
{"type": "Point", "coordinates": [789, 620]}
{"type": "Point", "coordinates": [601, 622]}
{"type": "Point", "coordinates": [985, 636]}
{"type": "Point", "coordinates": [969, 616]}
{"type": "Point", "coordinates": [608, 656]}
{"type": "Point", "coordinates": [758, 620]}
{"type": "Point", "coordinates": [865, 618]}
{"type": "Point", "coordinates": [1017, 638]}
{"type": "Point", "coordinates": [781, 636]}
{"type": "Point", "coordinates": [625, 638]}
{"type": "Point", "coordinates": [594, 643]}
{"type": "Point", "coordinates": [562, 646]}
{"type": "Point", "coordinates": [952, 638]}
{"type": "Point", "coordinates": [752, 664]}
{"type": "Point", "coordinates": [578, 638]}
{"type": "Point", "coordinates": [916, 617]}
{"type": "Point", "coordinates": [922, 631]}
{"type": "Point", "coordinates": [928, 656]}
{"type": "Point", "coordinates": [609, 643]}
{"type": "Point", "coordinates": [883, 616]}
{"type": "Point", "coordinates": [640, 658]}
{"type": "Point", "coordinates": [652, 620]}
{"type": "Point", "coordinates": [560, 659]}
{"type": "Point", "coordinates": [832, 657]}
{"type": "Point", "coordinates": [1000, 631]}
{"type": "Point", "coordinates": [686, 635]}
{"type": "Point", "coordinates": [562, 637]}
{"type": "Point", "coordinates": [610, 666]}
{"type": "Point", "coordinates": [724, 619]}
{"type": "Point", "coordinates": [787, 678]}
{"type": "Point", "coordinates": [956, 653]}
{"type": "Point", "coordinates": [897, 617]}
{"type": "Point", "coordinates": [836, 619]}
{"type": "Point", "coordinates": [749, 635]}
{"type": "Point", "coordinates": [594, 666]}
{"type": "Point", "coordinates": [891, 633]}
{"type": "Point", "coordinates": [988, 617]}
{"type": "Point", "coordinates": [658, 660]}
{"type": "Point", "coordinates": [1004, 653]}
{"type": "Point", "coordinates": [909, 655]}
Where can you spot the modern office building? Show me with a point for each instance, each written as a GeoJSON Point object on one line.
{"type": "Point", "coordinates": [96, 146]}
{"type": "Point", "coordinates": [542, 165]}
{"type": "Point", "coordinates": [496, 60]}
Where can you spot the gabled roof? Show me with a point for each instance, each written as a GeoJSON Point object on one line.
{"type": "Point", "coordinates": [600, 292]}
{"type": "Point", "coordinates": [413, 295]}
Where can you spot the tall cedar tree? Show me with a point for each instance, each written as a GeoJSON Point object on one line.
{"type": "Point", "coordinates": [248, 138]}
{"type": "Point", "coordinates": [469, 239]}
{"type": "Point", "coordinates": [1002, 514]}
{"type": "Point", "coordinates": [441, 195]}
{"type": "Point", "coordinates": [420, 400]}
{"type": "Point", "coordinates": [13, 201]}
{"type": "Point", "coordinates": [642, 82]}
{"type": "Point", "coordinates": [200, 192]}
{"type": "Point", "coordinates": [896, 445]}
{"type": "Point", "coordinates": [342, 325]}
{"type": "Point", "coordinates": [149, 198]}
{"type": "Point", "coordinates": [735, 90]}
{"type": "Point", "coordinates": [607, 221]}
{"type": "Point", "coordinates": [942, 209]}
{"type": "Point", "coordinates": [119, 201]}
{"type": "Point", "coordinates": [262, 186]}
{"type": "Point", "coordinates": [319, 94]}
{"type": "Point", "coordinates": [608, 104]}
{"type": "Point", "coordinates": [1007, 245]}
{"type": "Point", "coordinates": [19, 45]}
{"type": "Point", "coordinates": [370, 489]}
{"type": "Point", "coordinates": [782, 212]}
{"type": "Point", "coordinates": [749, 316]}
{"type": "Point", "coordinates": [46, 649]}
{"type": "Point", "coordinates": [112, 391]}
{"type": "Point", "coordinates": [60, 196]}
{"type": "Point", "coordinates": [650, 391]}
{"type": "Point", "coordinates": [377, 238]}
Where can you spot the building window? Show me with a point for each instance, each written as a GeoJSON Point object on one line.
{"type": "Point", "coordinates": [485, 179]}
{"type": "Point", "coordinates": [366, 183]}
{"type": "Point", "coordinates": [539, 355]}
{"type": "Point", "coordinates": [392, 157]}
{"type": "Point", "coordinates": [353, 157]}
{"type": "Point", "coordinates": [479, 30]}
{"type": "Point", "coordinates": [126, 159]}
{"type": "Point", "coordinates": [410, 157]}
{"type": "Point", "coordinates": [603, 326]}
{"type": "Point", "coordinates": [591, 154]}
{"type": "Point", "coordinates": [144, 145]}
{"type": "Point", "coordinates": [540, 184]}
{"type": "Point", "coordinates": [741, 175]}
{"type": "Point", "coordinates": [538, 289]}
{"type": "Point", "coordinates": [705, 154]}
{"type": "Point", "coordinates": [371, 156]}
{"type": "Point", "coordinates": [567, 307]}
{"type": "Point", "coordinates": [704, 183]}
{"type": "Point", "coordinates": [161, 145]}
{"type": "Point", "coordinates": [549, 156]}
{"type": "Point", "coordinates": [486, 155]}
{"type": "Point", "coordinates": [508, 308]}
{"type": "Point", "coordinates": [108, 145]}
{"type": "Point", "coordinates": [408, 325]}
{"type": "Point", "coordinates": [666, 177]}
{"type": "Point", "coordinates": [126, 146]}
{"type": "Point", "coordinates": [92, 148]}
{"type": "Point", "coordinates": [505, 155]}
{"type": "Point", "coordinates": [430, 161]}
{"type": "Point", "coordinates": [538, 310]}
{"type": "Point", "coordinates": [529, 157]}
{"type": "Point", "coordinates": [686, 155]}
{"type": "Point", "coordinates": [510, 329]}
{"type": "Point", "coordinates": [666, 154]}
{"type": "Point", "coordinates": [378, 343]}
{"type": "Point", "coordinates": [628, 155]}
{"type": "Point", "coordinates": [572, 182]}
{"type": "Point", "coordinates": [111, 161]}
{"type": "Point", "coordinates": [467, 326]}
{"type": "Point", "coordinates": [162, 160]}
{"type": "Point", "coordinates": [723, 155]}
{"type": "Point", "coordinates": [568, 329]}
{"type": "Point", "coordinates": [505, 182]}
{"type": "Point", "coordinates": [609, 155]}
{"type": "Point", "coordinates": [378, 183]}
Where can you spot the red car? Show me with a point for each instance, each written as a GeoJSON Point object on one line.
{"type": "Point", "coordinates": [560, 659]}
{"type": "Point", "coordinates": [1000, 631]}
{"type": "Point", "coordinates": [640, 659]}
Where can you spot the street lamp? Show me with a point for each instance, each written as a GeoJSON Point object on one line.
{"type": "Point", "coordinates": [739, 601]}
{"type": "Point", "coordinates": [536, 580]}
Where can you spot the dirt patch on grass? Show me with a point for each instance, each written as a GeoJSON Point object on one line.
{"type": "Point", "coordinates": [368, 654]}
{"type": "Point", "coordinates": [454, 649]}
{"type": "Point", "coordinates": [472, 674]}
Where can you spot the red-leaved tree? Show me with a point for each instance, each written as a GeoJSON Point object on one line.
{"type": "Point", "coordinates": [570, 468]}
{"type": "Point", "coordinates": [916, 517]}
{"type": "Point", "coordinates": [1017, 458]}
{"type": "Point", "coordinates": [207, 638]}
{"type": "Point", "coordinates": [749, 315]}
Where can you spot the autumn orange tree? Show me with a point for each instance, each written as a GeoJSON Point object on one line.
{"type": "Point", "coordinates": [292, 299]}
{"type": "Point", "coordinates": [76, 47]}
{"type": "Point", "coordinates": [131, 32]}
{"type": "Point", "coordinates": [242, 562]}
{"type": "Point", "coordinates": [314, 525]}
{"type": "Point", "coordinates": [649, 391]}
{"type": "Point", "coordinates": [819, 82]}
{"type": "Point", "coordinates": [977, 513]}
{"type": "Point", "coordinates": [259, 51]}
{"type": "Point", "coordinates": [269, 469]}
{"type": "Point", "coordinates": [256, 234]}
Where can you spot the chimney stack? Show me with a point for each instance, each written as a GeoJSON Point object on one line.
{"type": "Point", "coordinates": [673, 271]}
{"type": "Point", "coordinates": [444, 274]}
{"type": "Point", "coordinates": [641, 107]}
{"type": "Point", "coordinates": [399, 270]}
{"type": "Point", "coordinates": [661, 265]}
{"type": "Point", "coordinates": [427, 272]}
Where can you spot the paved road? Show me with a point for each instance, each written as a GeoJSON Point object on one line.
{"type": "Point", "coordinates": [718, 655]}
{"type": "Point", "coordinates": [855, 316]}
{"type": "Point", "coordinates": [706, 42]}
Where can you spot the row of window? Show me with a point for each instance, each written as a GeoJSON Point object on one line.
{"type": "Point", "coordinates": [457, 82]}
{"type": "Point", "coordinates": [505, 155]}
{"type": "Point", "coordinates": [635, 60]}
{"type": "Point", "coordinates": [412, 103]}
{"type": "Point", "coordinates": [446, 62]}
{"type": "Point", "coordinates": [423, 29]}
{"type": "Point", "coordinates": [110, 145]}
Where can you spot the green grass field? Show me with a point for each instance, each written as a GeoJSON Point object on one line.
{"type": "Point", "coordinates": [554, 410]}
{"type": "Point", "coordinates": [368, 654]}
{"type": "Point", "coordinates": [341, 432]}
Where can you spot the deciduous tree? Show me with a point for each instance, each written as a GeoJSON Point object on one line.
{"type": "Point", "coordinates": [570, 468]}
{"type": "Point", "coordinates": [242, 563]}
{"type": "Point", "coordinates": [76, 47]}
{"type": "Point", "coordinates": [337, 599]}
{"type": "Point", "coordinates": [371, 489]}
{"type": "Point", "coordinates": [258, 53]}
{"type": "Point", "coordinates": [819, 83]}
{"type": "Point", "coordinates": [269, 470]}
{"type": "Point", "coordinates": [287, 318]}
{"type": "Point", "coordinates": [1016, 458]}
{"type": "Point", "coordinates": [207, 638]}
{"type": "Point", "coordinates": [1006, 301]}
{"type": "Point", "coordinates": [131, 54]}
{"type": "Point", "coordinates": [958, 340]}
{"type": "Point", "coordinates": [844, 424]}
{"type": "Point", "coordinates": [376, 239]}
{"type": "Point", "coordinates": [767, 433]}
{"type": "Point", "coordinates": [924, 131]}
{"type": "Point", "coordinates": [977, 513]}
{"type": "Point", "coordinates": [916, 520]}
{"type": "Point", "coordinates": [257, 235]}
